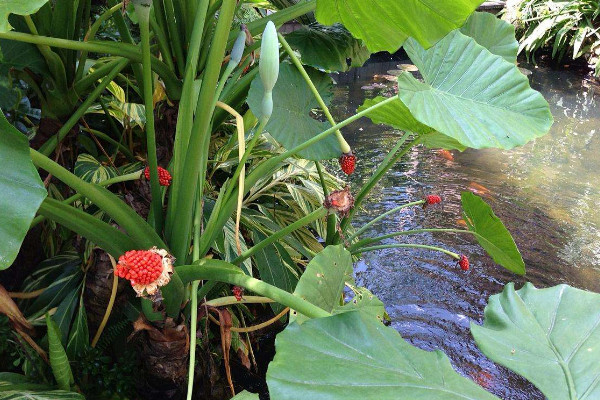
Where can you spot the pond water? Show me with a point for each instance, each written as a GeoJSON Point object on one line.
{"type": "Point", "coordinates": [547, 193]}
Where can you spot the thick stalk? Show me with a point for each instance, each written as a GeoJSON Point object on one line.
{"type": "Point", "coordinates": [406, 245]}
{"type": "Point", "coordinates": [221, 271]}
{"type": "Point", "coordinates": [382, 216]}
{"type": "Point", "coordinates": [185, 116]}
{"type": "Point", "coordinates": [175, 34]}
{"type": "Point", "coordinates": [197, 152]}
{"type": "Point", "coordinates": [123, 178]}
{"type": "Point", "coordinates": [163, 42]}
{"type": "Point", "coordinates": [84, 83]}
{"type": "Point", "coordinates": [229, 300]}
{"type": "Point", "coordinates": [150, 133]}
{"type": "Point", "coordinates": [117, 49]}
{"type": "Point", "coordinates": [136, 227]}
{"type": "Point", "coordinates": [308, 219]}
{"type": "Point", "coordinates": [48, 147]}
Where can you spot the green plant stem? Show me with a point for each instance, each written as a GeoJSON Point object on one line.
{"type": "Point", "coordinates": [174, 35]}
{"type": "Point", "coordinates": [48, 147]}
{"type": "Point", "coordinates": [91, 33]}
{"type": "Point", "coordinates": [221, 271]}
{"type": "Point", "coordinates": [109, 307]}
{"type": "Point", "coordinates": [117, 49]}
{"type": "Point", "coordinates": [388, 162]}
{"type": "Point", "coordinates": [345, 148]}
{"type": "Point", "coordinates": [136, 227]}
{"type": "Point", "coordinates": [406, 245]}
{"type": "Point", "coordinates": [156, 203]}
{"type": "Point", "coordinates": [382, 216]}
{"type": "Point", "coordinates": [266, 168]}
{"type": "Point", "coordinates": [313, 216]}
{"type": "Point", "coordinates": [229, 300]}
{"type": "Point", "coordinates": [123, 178]}
{"type": "Point", "coordinates": [126, 152]}
{"type": "Point", "coordinates": [193, 328]}
{"type": "Point", "coordinates": [163, 43]}
{"type": "Point", "coordinates": [367, 241]}
{"type": "Point", "coordinates": [84, 83]}
{"type": "Point", "coordinates": [331, 218]}
{"type": "Point", "coordinates": [197, 152]}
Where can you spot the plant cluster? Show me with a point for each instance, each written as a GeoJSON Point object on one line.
{"type": "Point", "coordinates": [178, 177]}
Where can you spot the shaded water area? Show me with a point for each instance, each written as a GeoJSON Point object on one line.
{"type": "Point", "coordinates": [547, 193]}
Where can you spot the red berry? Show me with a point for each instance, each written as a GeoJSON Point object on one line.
{"type": "Point", "coordinates": [348, 163]}
{"type": "Point", "coordinates": [140, 266]}
{"type": "Point", "coordinates": [463, 262]}
{"type": "Point", "coordinates": [238, 292]}
{"type": "Point", "coordinates": [433, 199]}
{"type": "Point", "coordinates": [164, 177]}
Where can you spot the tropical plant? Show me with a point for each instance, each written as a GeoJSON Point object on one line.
{"type": "Point", "coordinates": [244, 196]}
{"type": "Point", "coordinates": [569, 28]}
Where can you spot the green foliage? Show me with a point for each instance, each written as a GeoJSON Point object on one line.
{"type": "Point", "coordinates": [330, 48]}
{"type": "Point", "coordinates": [19, 7]}
{"type": "Point", "coordinates": [569, 28]}
{"type": "Point", "coordinates": [20, 387]}
{"type": "Point", "coordinates": [22, 191]}
{"type": "Point", "coordinates": [549, 336]}
{"type": "Point", "coordinates": [386, 24]}
{"type": "Point", "coordinates": [291, 123]}
{"type": "Point", "coordinates": [491, 233]}
{"type": "Point", "coordinates": [492, 33]}
{"type": "Point", "coordinates": [58, 357]}
{"type": "Point", "coordinates": [353, 356]}
{"type": "Point", "coordinates": [91, 170]}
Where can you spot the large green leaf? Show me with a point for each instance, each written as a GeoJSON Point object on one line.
{"type": "Point", "coordinates": [20, 387]}
{"type": "Point", "coordinates": [352, 356]}
{"type": "Point", "coordinates": [21, 55]}
{"type": "Point", "coordinates": [385, 24]}
{"type": "Point", "coordinates": [394, 114]}
{"type": "Point", "coordinates": [22, 191]}
{"type": "Point", "coordinates": [472, 95]}
{"type": "Point", "coordinates": [245, 395]}
{"type": "Point", "coordinates": [549, 336]}
{"type": "Point", "coordinates": [291, 123]}
{"type": "Point", "coordinates": [58, 357]}
{"type": "Point", "coordinates": [19, 7]}
{"type": "Point", "coordinates": [328, 47]}
{"type": "Point", "coordinates": [323, 282]}
{"type": "Point", "coordinates": [491, 233]}
{"type": "Point", "coordinates": [496, 35]}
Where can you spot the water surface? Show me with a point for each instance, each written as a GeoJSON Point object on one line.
{"type": "Point", "coordinates": [546, 192]}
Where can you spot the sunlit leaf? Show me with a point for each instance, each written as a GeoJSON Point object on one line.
{"type": "Point", "coordinates": [19, 7]}
{"type": "Point", "coordinates": [493, 33]}
{"type": "Point", "coordinates": [472, 95]}
{"type": "Point", "coordinates": [549, 336]}
{"type": "Point", "coordinates": [491, 233]}
{"type": "Point", "coordinates": [385, 24]}
{"type": "Point", "coordinates": [352, 356]}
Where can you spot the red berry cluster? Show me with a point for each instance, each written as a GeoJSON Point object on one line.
{"type": "Point", "coordinates": [139, 266]}
{"type": "Point", "coordinates": [432, 199]}
{"type": "Point", "coordinates": [348, 163]}
{"type": "Point", "coordinates": [238, 292]}
{"type": "Point", "coordinates": [164, 177]}
{"type": "Point", "coordinates": [463, 262]}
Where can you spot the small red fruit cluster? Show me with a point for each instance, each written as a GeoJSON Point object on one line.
{"type": "Point", "coordinates": [139, 266]}
{"type": "Point", "coordinates": [432, 199]}
{"type": "Point", "coordinates": [238, 292]}
{"type": "Point", "coordinates": [348, 163]}
{"type": "Point", "coordinates": [463, 262]}
{"type": "Point", "coordinates": [164, 177]}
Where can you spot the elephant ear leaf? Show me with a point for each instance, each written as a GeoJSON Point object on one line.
{"type": "Point", "coordinates": [19, 7]}
{"type": "Point", "coordinates": [22, 191]}
{"type": "Point", "coordinates": [491, 233]}
{"type": "Point", "coordinates": [549, 336]}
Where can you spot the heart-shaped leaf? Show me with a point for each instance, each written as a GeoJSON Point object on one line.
{"type": "Point", "coordinates": [328, 47]}
{"type": "Point", "coordinates": [291, 123]}
{"type": "Point", "coordinates": [385, 24]}
{"type": "Point", "coordinates": [549, 336]}
{"type": "Point", "coordinates": [353, 356]}
{"type": "Point", "coordinates": [496, 35]}
{"type": "Point", "coordinates": [19, 7]}
{"type": "Point", "coordinates": [491, 233]}
{"type": "Point", "coordinates": [91, 170]}
{"type": "Point", "coordinates": [472, 95]}
{"type": "Point", "coordinates": [22, 191]}
{"type": "Point", "coordinates": [322, 283]}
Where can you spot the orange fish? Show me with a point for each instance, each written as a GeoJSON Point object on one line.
{"type": "Point", "coordinates": [445, 154]}
{"type": "Point", "coordinates": [461, 222]}
{"type": "Point", "coordinates": [477, 188]}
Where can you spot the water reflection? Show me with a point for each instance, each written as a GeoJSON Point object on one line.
{"type": "Point", "coordinates": [546, 193]}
